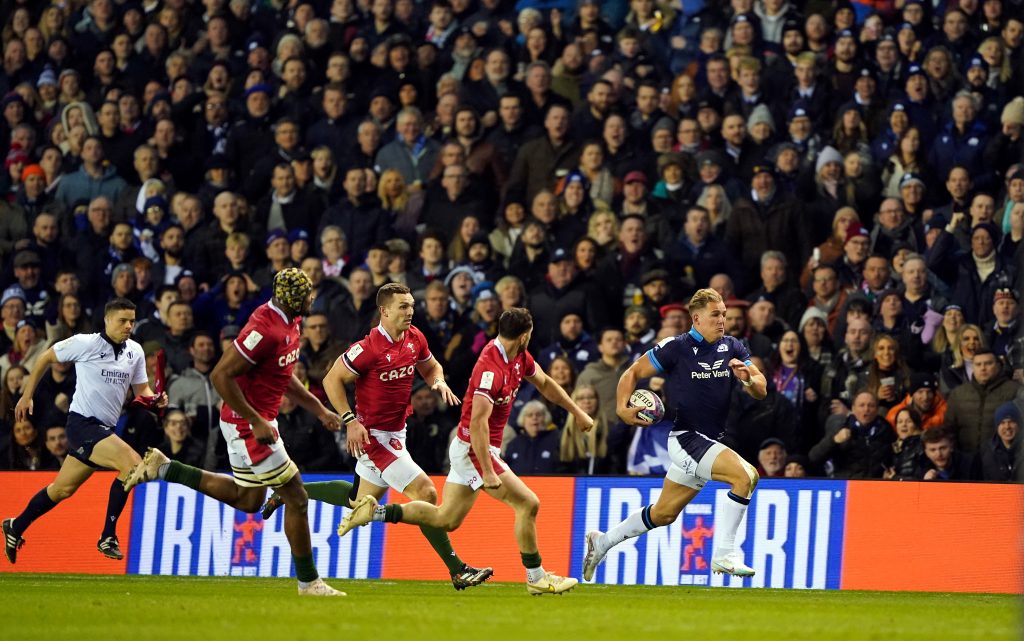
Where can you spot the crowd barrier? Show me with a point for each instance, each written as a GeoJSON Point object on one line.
{"type": "Point", "coordinates": [817, 534]}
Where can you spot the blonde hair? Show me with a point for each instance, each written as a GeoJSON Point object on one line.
{"type": "Point", "coordinates": [596, 217]}
{"type": "Point", "coordinates": [702, 298]}
{"type": "Point", "coordinates": [576, 444]}
{"type": "Point", "coordinates": [958, 357]}
{"type": "Point", "coordinates": [237, 239]}
{"type": "Point", "coordinates": [397, 203]}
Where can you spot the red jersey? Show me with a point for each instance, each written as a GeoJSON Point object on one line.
{"type": "Point", "coordinates": [386, 370]}
{"type": "Point", "coordinates": [271, 343]}
{"type": "Point", "coordinates": [497, 380]}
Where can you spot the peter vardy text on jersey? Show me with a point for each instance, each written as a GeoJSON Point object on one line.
{"type": "Point", "coordinates": [113, 377]}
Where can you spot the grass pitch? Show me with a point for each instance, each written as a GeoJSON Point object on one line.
{"type": "Point", "coordinates": [83, 608]}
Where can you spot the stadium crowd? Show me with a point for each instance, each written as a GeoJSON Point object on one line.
{"type": "Point", "coordinates": [847, 175]}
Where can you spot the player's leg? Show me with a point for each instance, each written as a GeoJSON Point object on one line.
{"type": "Point", "coordinates": [243, 491]}
{"type": "Point", "coordinates": [729, 467]}
{"type": "Point", "coordinates": [421, 488]}
{"type": "Point", "coordinates": [114, 453]}
{"type": "Point", "coordinates": [514, 493]}
{"type": "Point", "coordinates": [683, 481]}
{"type": "Point", "coordinates": [70, 477]}
{"type": "Point", "coordinates": [457, 501]}
{"type": "Point", "coordinates": [338, 492]}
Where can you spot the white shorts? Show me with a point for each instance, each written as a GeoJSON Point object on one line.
{"type": "Point", "coordinates": [465, 467]}
{"type": "Point", "coordinates": [274, 466]}
{"type": "Point", "coordinates": [692, 455]}
{"type": "Point", "coordinates": [386, 463]}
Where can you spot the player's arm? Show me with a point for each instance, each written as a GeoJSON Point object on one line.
{"type": "Point", "coordinates": [24, 407]}
{"type": "Point", "coordinates": [552, 391]}
{"type": "Point", "coordinates": [754, 382]}
{"type": "Point", "coordinates": [230, 366]}
{"type": "Point", "coordinates": [148, 397]}
{"type": "Point", "coordinates": [335, 381]}
{"type": "Point", "coordinates": [641, 368]}
{"type": "Point", "coordinates": [479, 439]}
{"type": "Point", "coordinates": [433, 374]}
{"type": "Point", "coordinates": [298, 393]}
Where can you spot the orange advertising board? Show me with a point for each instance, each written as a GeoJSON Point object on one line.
{"type": "Point", "coordinates": [933, 537]}
{"type": "Point", "coordinates": [64, 539]}
{"type": "Point", "coordinates": [487, 536]}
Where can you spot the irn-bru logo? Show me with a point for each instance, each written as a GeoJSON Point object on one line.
{"type": "Point", "coordinates": [792, 534]}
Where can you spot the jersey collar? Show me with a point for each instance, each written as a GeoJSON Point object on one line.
{"type": "Point", "coordinates": [384, 333]}
{"type": "Point", "coordinates": [283, 316]}
{"type": "Point", "coordinates": [118, 347]}
{"type": "Point", "coordinates": [697, 336]}
{"type": "Point", "coordinates": [501, 348]}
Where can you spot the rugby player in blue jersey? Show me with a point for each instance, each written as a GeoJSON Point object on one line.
{"type": "Point", "coordinates": [699, 369]}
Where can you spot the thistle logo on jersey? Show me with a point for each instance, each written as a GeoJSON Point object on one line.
{"type": "Point", "coordinates": [792, 534]}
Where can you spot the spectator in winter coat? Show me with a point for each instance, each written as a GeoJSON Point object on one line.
{"type": "Point", "coordinates": [1000, 456]}
{"type": "Point", "coordinates": [858, 445]}
{"type": "Point", "coordinates": [972, 405]}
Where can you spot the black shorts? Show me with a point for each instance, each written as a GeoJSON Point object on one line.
{"type": "Point", "coordinates": [84, 432]}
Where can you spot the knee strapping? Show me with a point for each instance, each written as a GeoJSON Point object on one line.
{"type": "Point", "coordinates": [752, 475]}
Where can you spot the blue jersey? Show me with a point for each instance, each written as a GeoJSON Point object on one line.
{"type": "Point", "coordinates": [698, 381]}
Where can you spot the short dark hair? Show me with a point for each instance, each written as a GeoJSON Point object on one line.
{"type": "Point", "coordinates": [164, 289]}
{"type": "Point", "coordinates": [118, 304]}
{"type": "Point", "coordinates": [937, 434]}
{"type": "Point", "coordinates": [986, 351]}
{"type": "Point", "coordinates": [514, 322]}
{"type": "Point", "coordinates": [387, 291]}
{"type": "Point", "coordinates": [201, 334]}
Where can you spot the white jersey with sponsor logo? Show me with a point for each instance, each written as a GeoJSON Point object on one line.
{"type": "Point", "coordinates": [103, 377]}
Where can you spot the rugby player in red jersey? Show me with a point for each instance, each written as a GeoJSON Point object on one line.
{"type": "Point", "coordinates": [382, 366]}
{"type": "Point", "coordinates": [476, 457]}
{"type": "Point", "coordinates": [252, 378]}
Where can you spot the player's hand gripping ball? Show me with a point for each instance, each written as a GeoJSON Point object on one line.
{"type": "Point", "coordinates": [653, 408]}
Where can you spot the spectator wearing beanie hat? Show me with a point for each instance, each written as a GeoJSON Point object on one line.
{"type": "Point", "coordinates": [923, 397]}
{"type": "Point", "coordinates": [1006, 146]}
{"type": "Point", "coordinates": [32, 196]}
{"type": "Point", "coordinates": [1000, 456]}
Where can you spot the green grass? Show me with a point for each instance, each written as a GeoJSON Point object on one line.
{"type": "Point", "coordinates": [37, 606]}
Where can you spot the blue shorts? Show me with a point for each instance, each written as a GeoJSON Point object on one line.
{"type": "Point", "coordinates": [84, 432]}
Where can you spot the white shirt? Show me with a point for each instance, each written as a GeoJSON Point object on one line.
{"type": "Point", "coordinates": [102, 381]}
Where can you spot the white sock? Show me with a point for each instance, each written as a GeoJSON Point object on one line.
{"type": "Point", "coordinates": [162, 470]}
{"type": "Point", "coordinates": [634, 525]}
{"type": "Point", "coordinates": [304, 584]}
{"type": "Point", "coordinates": [732, 513]}
{"type": "Point", "coordinates": [378, 513]}
{"type": "Point", "coordinates": [535, 574]}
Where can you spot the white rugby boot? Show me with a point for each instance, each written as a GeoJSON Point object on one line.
{"type": "Point", "coordinates": [731, 563]}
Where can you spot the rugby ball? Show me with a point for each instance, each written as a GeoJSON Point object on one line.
{"type": "Point", "coordinates": [653, 408]}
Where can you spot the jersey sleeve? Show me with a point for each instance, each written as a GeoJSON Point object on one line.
{"type": "Point", "coordinates": [529, 365]}
{"type": "Point", "coordinates": [664, 354]}
{"type": "Point", "coordinates": [359, 357]}
{"type": "Point", "coordinates": [740, 351]}
{"type": "Point", "coordinates": [73, 348]}
{"type": "Point", "coordinates": [139, 376]}
{"type": "Point", "coordinates": [486, 380]}
{"type": "Point", "coordinates": [423, 354]}
{"type": "Point", "coordinates": [254, 344]}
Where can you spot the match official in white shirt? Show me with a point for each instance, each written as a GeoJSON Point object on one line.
{"type": "Point", "coordinates": [107, 364]}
